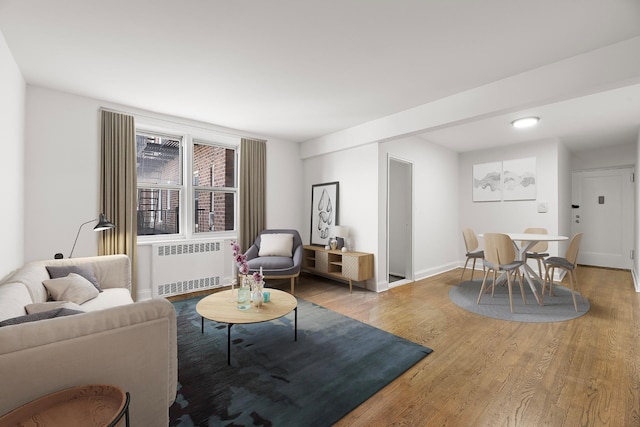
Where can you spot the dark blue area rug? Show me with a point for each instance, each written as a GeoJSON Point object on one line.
{"type": "Point", "coordinates": [336, 364]}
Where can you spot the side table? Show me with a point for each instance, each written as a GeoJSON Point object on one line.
{"type": "Point", "coordinates": [335, 264]}
{"type": "Point", "coordinates": [88, 405]}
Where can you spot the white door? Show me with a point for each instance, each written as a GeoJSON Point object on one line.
{"type": "Point", "coordinates": [603, 208]}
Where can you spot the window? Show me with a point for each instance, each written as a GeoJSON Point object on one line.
{"type": "Point", "coordinates": [160, 190]}
{"type": "Point", "coordinates": [167, 203]}
{"type": "Point", "coordinates": [214, 187]}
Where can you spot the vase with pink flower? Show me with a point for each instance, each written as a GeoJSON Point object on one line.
{"type": "Point", "coordinates": [244, 289]}
{"type": "Point", "coordinates": [257, 294]}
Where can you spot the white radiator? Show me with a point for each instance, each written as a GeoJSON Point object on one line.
{"type": "Point", "coordinates": [179, 268]}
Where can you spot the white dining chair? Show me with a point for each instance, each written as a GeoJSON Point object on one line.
{"type": "Point", "coordinates": [569, 263]}
{"type": "Point", "coordinates": [471, 244]}
{"type": "Point", "coordinates": [537, 251]}
{"type": "Point", "coordinates": [500, 255]}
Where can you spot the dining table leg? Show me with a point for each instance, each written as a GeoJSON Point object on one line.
{"type": "Point", "coordinates": [529, 275]}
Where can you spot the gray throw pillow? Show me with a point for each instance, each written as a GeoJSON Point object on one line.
{"type": "Point", "coordinates": [83, 270]}
{"type": "Point", "coordinates": [58, 312]}
{"type": "Point", "coordinates": [74, 288]}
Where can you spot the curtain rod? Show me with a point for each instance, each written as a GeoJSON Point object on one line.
{"type": "Point", "coordinates": [112, 110]}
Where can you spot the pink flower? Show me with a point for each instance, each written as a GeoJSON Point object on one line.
{"type": "Point", "coordinates": [243, 268]}
{"type": "Point", "coordinates": [257, 277]}
{"type": "Point", "coordinates": [240, 258]}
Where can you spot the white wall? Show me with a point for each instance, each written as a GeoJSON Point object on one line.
{"type": "Point", "coordinates": [636, 269]}
{"type": "Point", "coordinates": [616, 156]}
{"type": "Point", "coordinates": [362, 173]}
{"type": "Point", "coordinates": [513, 216]}
{"type": "Point", "coordinates": [285, 188]}
{"type": "Point", "coordinates": [12, 123]}
{"type": "Point", "coordinates": [356, 170]}
{"type": "Point", "coordinates": [62, 174]}
{"type": "Point", "coordinates": [565, 213]}
{"type": "Point", "coordinates": [604, 157]}
{"type": "Point", "coordinates": [435, 205]}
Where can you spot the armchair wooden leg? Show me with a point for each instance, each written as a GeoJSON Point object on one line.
{"type": "Point", "coordinates": [293, 283]}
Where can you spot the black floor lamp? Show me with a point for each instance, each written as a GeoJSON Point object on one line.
{"type": "Point", "coordinates": [103, 224]}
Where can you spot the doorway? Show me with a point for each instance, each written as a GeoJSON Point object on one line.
{"type": "Point", "coordinates": [399, 221]}
{"type": "Point", "coordinates": [603, 203]}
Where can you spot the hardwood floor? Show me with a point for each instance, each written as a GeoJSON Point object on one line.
{"type": "Point", "coordinates": [486, 372]}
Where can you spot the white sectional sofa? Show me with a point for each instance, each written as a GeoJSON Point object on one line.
{"type": "Point", "coordinates": [108, 339]}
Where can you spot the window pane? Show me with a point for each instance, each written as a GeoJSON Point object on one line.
{"type": "Point", "coordinates": [158, 159]}
{"type": "Point", "coordinates": [214, 166]}
{"type": "Point", "coordinates": [214, 211]}
{"type": "Point", "coordinates": [158, 211]}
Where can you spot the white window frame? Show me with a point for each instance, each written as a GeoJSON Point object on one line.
{"type": "Point", "coordinates": [190, 136]}
{"type": "Point", "coordinates": [234, 190]}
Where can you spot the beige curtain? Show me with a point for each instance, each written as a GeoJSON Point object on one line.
{"type": "Point", "coordinates": [118, 188]}
{"type": "Point", "coordinates": [253, 160]}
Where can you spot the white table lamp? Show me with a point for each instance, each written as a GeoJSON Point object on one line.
{"type": "Point", "coordinates": [340, 232]}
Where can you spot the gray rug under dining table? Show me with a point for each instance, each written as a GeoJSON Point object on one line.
{"type": "Point", "coordinates": [556, 308]}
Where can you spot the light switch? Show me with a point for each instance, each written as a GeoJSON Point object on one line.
{"type": "Point", "coordinates": [542, 207]}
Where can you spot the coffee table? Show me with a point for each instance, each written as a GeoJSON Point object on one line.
{"type": "Point", "coordinates": [220, 307]}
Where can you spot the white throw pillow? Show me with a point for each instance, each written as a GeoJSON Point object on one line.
{"type": "Point", "coordinates": [40, 307]}
{"type": "Point", "coordinates": [74, 288]}
{"type": "Point", "coordinates": [276, 245]}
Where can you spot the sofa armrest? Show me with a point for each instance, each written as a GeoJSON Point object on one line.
{"type": "Point", "coordinates": [132, 346]}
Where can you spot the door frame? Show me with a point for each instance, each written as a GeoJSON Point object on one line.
{"type": "Point", "coordinates": [629, 229]}
{"type": "Point", "coordinates": [409, 266]}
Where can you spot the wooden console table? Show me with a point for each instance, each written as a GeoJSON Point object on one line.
{"type": "Point", "coordinates": [338, 265]}
{"type": "Point", "coordinates": [87, 405]}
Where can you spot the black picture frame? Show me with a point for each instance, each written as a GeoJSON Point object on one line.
{"type": "Point", "coordinates": [324, 211]}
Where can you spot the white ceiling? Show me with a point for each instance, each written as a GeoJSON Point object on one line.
{"type": "Point", "coordinates": [298, 69]}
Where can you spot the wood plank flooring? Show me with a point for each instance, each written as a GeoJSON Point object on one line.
{"type": "Point", "coordinates": [486, 372]}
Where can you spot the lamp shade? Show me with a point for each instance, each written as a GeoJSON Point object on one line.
{"type": "Point", "coordinates": [340, 231]}
{"type": "Point", "coordinates": [103, 223]}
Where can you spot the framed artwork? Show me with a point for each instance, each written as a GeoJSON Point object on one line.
{"type": "Point", "coordinates": [487, 182]}
{"type": "Point", "coordinates": [324, 212]}
{"type": "Point", "coordinates": [519, 179]}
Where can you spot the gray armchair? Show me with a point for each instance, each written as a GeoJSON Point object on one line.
{"type": "Point", "coordinates": [276, 265]}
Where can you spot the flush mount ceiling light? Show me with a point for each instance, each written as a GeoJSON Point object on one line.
{"type": "Point", "coordinates": [525, 122]}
